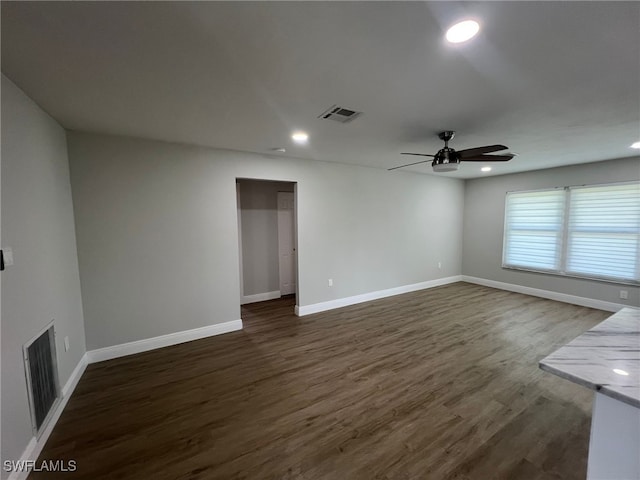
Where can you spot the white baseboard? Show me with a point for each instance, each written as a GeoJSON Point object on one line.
{"type": "Point", "coordinates": [260, 297]}
{"type": "Point", "coordinates": [537, 292]}
{"type": "Point", "coordinates": [366, 297]}
{"type": "Point", "coordinates": [70, 386]}
{"type": "Point", "coordinates": [139, 346]}
{"type": "Point", "coordinates": [35, 445]}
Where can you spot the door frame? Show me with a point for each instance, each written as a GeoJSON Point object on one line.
{"type": "Point", "coordinates": [239, 215]}
{"type": "Point", "coordinates": [295, 233]}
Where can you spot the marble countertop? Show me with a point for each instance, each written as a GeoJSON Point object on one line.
{"type": "Point", "coordinates": [600, 357]}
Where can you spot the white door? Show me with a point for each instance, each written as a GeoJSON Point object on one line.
{"type": "Point", "coordinates": [286, 243]}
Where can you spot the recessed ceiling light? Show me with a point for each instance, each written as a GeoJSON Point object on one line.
{"type": "Point", "coordinates": [621, 372]}
{"type": "Point", "coordinates": [300, 137]}
{"type": "Point", "coordinates": [462, 31]}
{"type": "Point", "coordinates": [635, 145]}
{"type": "Point", "coordinates": [486, 169]}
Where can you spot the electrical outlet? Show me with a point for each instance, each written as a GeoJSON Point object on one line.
{"type": "Point", "coordinates": [8, 256]}
{"type": "Point", "coordinates": [624, 294]}
{"type": "Point", "coordinates": [439, 265]}
{"type": "Point", "coordinates": [330, 282]}
{"type": "Point", "coordinates": [66, 344]}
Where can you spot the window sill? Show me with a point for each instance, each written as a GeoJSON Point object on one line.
{"type": "Point", "coordinates": [573, 275]}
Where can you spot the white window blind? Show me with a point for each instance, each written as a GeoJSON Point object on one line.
{"type": "Point", "coordinates": [588, 231]}
{"type": "Point", "coordinates": [604, 231]}
{"type": "Point", "coordinates": [533, 229]}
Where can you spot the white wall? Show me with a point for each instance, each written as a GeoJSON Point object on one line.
{"type": "Point", "coordinates": [484, 227]}
{"type": "Point", "coordinates": [43, 284]}
{"type": "Point", "coordinates": [158, 236]}
{"type": "Point", "coordinates": [259, 223]}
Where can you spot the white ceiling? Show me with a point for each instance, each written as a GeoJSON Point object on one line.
{"type": "Point", "coordinates": [558, 82]}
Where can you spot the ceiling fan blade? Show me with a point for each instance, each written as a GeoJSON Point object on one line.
{"type": "Point", "coordinates": [419, 154]}
{"type": "Point", "coordinates": [488, 158]}
{"type": "Point", "coordinates": [472, 152]}
{"type": "Point", "coordinates": [409, 164]}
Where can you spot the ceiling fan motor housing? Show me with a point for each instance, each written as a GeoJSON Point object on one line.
{"type": "Point", "coordinates": [446, 160]}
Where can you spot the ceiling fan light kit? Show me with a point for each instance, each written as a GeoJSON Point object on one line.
{"type": "Point", "coordinates": [446, 167]}
{"type": "Point", "coordinates": [448, 160]}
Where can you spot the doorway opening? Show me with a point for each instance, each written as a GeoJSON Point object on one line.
{"type": "Point", "coordinates": [267, 236]}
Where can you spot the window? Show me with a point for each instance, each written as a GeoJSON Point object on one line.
{"type": "Point", "coordinates": [534, 222]}
{"type": "Point", "coordinates": [591, 231]}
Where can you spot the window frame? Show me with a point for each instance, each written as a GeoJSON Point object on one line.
{"type": "Point", "coordinates": [564, 243]}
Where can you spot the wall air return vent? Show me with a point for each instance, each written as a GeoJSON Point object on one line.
{"type": "Point", "coordinates": [41, 370]}
{"type": "Point", "coordinates": [340, 114]}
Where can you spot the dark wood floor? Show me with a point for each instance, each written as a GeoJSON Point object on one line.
{"type": "Point", "coordinates": [437, 384]}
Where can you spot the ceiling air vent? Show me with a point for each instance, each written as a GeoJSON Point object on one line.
{"type": "Point", "coordinates": [340, 114]}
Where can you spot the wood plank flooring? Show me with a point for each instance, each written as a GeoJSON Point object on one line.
{"type": "Point", "coordinates": [436, 384]}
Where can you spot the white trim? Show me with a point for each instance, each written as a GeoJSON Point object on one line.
{"type": "Point", "coordinates": [557, 273]}
{"type": "Point", "coordinates": [35, 445]}
{"type": "Point", "coordinates": [537, 292]}
{"type": "Point", "coordinates": [239, 210]}
{"type": "Point", "coordinates": [260, 297]}
{"type": "Point", "coordinates": [71, 384]}
{"type": "Point", "coordinates": [139, 346]}
{"type": "Point", "coordinates": [366, 297]}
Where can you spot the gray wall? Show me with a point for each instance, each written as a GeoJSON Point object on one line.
{"type": "Point", "coordinates": [259, 223]}
{"type": "Point", "coordinates": [484, 217]}
{"type": "Point", "coordinates": [43, 284]}
{"type": "Point", "coordinates": [158, 236]}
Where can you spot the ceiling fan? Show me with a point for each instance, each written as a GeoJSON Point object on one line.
{"type": "Point", "coordinates": [448, 160]}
